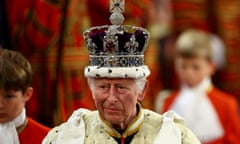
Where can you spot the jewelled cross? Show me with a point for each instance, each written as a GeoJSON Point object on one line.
{"type": "Point", "coordinates": [117, 6]}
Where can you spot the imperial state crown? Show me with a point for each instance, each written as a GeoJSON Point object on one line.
{"type": "Point", "coordinates": [116, 51]}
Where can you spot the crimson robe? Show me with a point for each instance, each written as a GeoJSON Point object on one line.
{"type": "Point", "coordinates": [33, 132]}
{"type": "Point", "coordinates": [226, 108]}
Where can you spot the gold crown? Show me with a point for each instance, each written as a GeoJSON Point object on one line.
{"type": "Point", "coordinates": [116, 46]}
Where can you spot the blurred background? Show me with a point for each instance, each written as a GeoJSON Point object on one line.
{"type": "Point", "coordinates": [49, 34]}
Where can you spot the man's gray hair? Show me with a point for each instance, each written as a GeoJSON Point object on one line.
{"type": "Point", "coordinates": [140, 83]}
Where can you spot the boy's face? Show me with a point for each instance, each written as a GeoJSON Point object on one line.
{"type": "Point", "coordinates": [192, 71]}
{"type": "Point", "coordinates": [12, 103]}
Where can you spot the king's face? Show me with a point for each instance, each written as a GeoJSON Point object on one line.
{"type": "Point", "coordinates": [116, 100]}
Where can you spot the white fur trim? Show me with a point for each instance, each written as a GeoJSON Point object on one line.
{"type": "Point", "coordinates": [117, 72]}
{"type": "Point", "coordinates": [74, 130]}
{"type": "Point", "coordinates": [169, 132]}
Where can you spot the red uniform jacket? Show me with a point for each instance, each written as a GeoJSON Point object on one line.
{"type": "Point", "coordinates": [227, 110]}
{"type": "Point", "coordinates": [33, 133]}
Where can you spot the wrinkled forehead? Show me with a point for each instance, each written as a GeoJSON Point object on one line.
{"type": "Point", "coordinates": [114, 80]}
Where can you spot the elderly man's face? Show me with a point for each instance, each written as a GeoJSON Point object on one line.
{"type": "Point", "coordinates": [116, 100]}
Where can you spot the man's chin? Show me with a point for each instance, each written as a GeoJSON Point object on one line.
{"type": "Point", "coordinates": [113, 120]}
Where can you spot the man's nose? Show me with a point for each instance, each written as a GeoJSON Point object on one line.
{"type": "Point", "coordinates": [112, 94]}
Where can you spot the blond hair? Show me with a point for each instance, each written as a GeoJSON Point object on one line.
{"type": "Point", "coordinates": [194, 43]}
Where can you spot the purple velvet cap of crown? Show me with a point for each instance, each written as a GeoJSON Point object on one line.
{"type": "Point", "coordinates": [141, 37]}
{"type": "Point", "coordinates": [118, 46]}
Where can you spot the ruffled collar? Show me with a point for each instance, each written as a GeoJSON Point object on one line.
{"type": "Point", "coordinates": [194, 105]}
{"type": "Point", "coordinates": [8, 131]}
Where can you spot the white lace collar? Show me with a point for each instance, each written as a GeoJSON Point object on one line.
{"type": "Point", "coordinates": [198, 112]}
{"type": "Point", "coordinates": [8, 131]}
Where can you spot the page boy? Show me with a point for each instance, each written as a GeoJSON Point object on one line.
{"type": "Point", "coordinates": [15, 91]}
{"type": "Point", "coordinates": [210, 113]}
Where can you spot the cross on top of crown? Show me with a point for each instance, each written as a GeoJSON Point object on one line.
{"type": "Point", "coordinates": [117, 6]}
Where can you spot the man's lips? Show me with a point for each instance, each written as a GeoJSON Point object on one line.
{"type": "Point", "coordinates": [112, 110]}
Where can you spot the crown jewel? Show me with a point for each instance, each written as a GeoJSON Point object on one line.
{"type": "Point", "coordinates": [116, 45]}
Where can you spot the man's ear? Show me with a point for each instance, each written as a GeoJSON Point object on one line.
{"type": "Point", "coordinates": [212, 68]}
{"type": "Point", "coordinates": [142, 94]}
{"type": "Point", "coordinates": [28, 93]}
